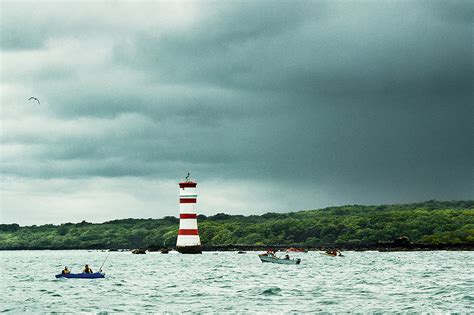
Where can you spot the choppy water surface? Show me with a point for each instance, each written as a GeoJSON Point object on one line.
{"type": "Point", "coordinates": [231, 282]}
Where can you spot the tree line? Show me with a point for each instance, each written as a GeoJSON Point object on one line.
{"type": "Point", "coordinates": [431, 222]}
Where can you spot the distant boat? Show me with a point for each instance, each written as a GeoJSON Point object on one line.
{"type": "Point", "coordinates": [333, 255]}
{"type": "Point", "coordinates": [276, 260]}
{"type": "Point", "coordinates": [138, 251]}
{"type": "Point", "coordinates": [94, 275]}
{"type": "Point", "coordinates": [296, 250]}
{"type": "Point", "coordinates": [241, 252]}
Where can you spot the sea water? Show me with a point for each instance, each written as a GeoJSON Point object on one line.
{"type": "Point", "coordinates": [223, 282]}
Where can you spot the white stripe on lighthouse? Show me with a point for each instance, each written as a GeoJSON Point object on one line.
{"type": "Point", "coordinates": [189, 240]}
{"type": "Point", "coordinates": [187, 191]}
{"type": "Point", "coordinates": [187, 208]}
{"type": "Point", "coordinates": [188, 224]}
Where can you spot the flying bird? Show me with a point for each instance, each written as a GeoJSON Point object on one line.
{"type": "Point", "coordinates": [34, 98]}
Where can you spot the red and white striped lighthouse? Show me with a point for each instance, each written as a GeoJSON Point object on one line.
{"type": "Point", "coordinates": [188, 235]}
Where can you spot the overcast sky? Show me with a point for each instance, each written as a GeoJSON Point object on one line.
{"type": "Point", "coordinates": [271, 105]}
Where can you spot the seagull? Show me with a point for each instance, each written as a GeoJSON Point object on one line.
{"type": "Point", "coordinates": [34, 98]}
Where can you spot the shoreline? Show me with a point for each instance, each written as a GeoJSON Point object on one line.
{"type": "Point", "coordinates": [385, 247]}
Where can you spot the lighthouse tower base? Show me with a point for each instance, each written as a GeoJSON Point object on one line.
{"type": "Point", "coordinates": [189, 249]}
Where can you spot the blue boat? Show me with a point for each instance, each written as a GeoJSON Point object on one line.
{"type": "Point", "coordinates": [94, 275]}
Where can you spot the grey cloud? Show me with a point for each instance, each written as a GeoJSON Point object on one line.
{"type": "Point", "coordinates": [14, 38]}
{"type": "Point", "coordinates": [457, 12]}
{"type": "Point", "coordinates": [225, 46]}
{"type": "Point", "coordinates": [358, 101]}
{"type": "Point", "coordinates": [389, 49]}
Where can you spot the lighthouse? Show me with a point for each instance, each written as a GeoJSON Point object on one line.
{"type": "Point", "coordinates": [188, 241]}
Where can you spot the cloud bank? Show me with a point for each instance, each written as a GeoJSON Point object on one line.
{"type": "Point", "coordinates": [271, 107]}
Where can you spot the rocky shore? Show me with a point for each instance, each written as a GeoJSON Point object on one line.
{"type": "Point", "coordinates": [381, 247]}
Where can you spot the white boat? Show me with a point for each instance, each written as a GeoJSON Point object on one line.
{"type": "Point", "coordinates": [276, 260]}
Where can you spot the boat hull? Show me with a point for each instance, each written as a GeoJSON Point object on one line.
{"type": "Point", "coordinates": [276, 260]}
{"type": "Point", "coordinates": [94, 275]}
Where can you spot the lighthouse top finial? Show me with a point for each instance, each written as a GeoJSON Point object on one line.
{"type": "Point", "coordinates": [187, 183]}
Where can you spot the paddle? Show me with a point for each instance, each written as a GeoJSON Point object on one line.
{"type": "Point", "coordinates": [100, 269]}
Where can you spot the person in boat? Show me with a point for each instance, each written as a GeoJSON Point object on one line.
{"type": "Point", "coordinates": [287, 257]}
{"type": "Point", "coordinates": [270, 253]}
{"type": "Point", "coordinates": [66, 271]}
{"type": "Point", "coordinates": [87, 269]}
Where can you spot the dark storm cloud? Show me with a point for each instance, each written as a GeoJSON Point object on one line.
{"type": "Point", "coordinates": [23, 27]}
{"type": "Point", "coordinates": [228, 44]}
{"type": "Point", "coordinates": [362, 101]}
{"type": "Point", "coordinates": [340, 51]}
{"type": "Point", "coordinates": [372, 87]}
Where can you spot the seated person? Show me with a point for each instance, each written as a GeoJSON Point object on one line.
{"type": "Point", "coordinates": [87, 269]}
{"type": "Point", "coordinates": [270, 253]}
{"type": "Point", "coordinates": [287, 257]}
{"type": "Point", "coordinates": [65, 271]}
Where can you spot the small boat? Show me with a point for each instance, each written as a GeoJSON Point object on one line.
{"type": "Point", "coordinates": [241, 252]}
{"type": "Point", "coordinates": [296, 250]}
{"type": "Point", "coordinates": [138, 251]}
{"type": "Point", "coordinates": [333, 255]}
{"type": "Point", "coordinates": [276, 260]}
{"type": "Point", "coordinates": [94, 275]}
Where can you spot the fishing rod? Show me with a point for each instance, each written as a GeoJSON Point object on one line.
{"type": "Point", "coordinates": [100, 269]}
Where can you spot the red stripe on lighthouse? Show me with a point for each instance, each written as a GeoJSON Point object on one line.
{"type": "Point", "coordinates": [187, 185]}
{"type": "Point", "coordinates": [188, 232]}
{"type": "Point", "coordinates": [188, 216]}
{"type": "Point", "coordinates": [187, 200]}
